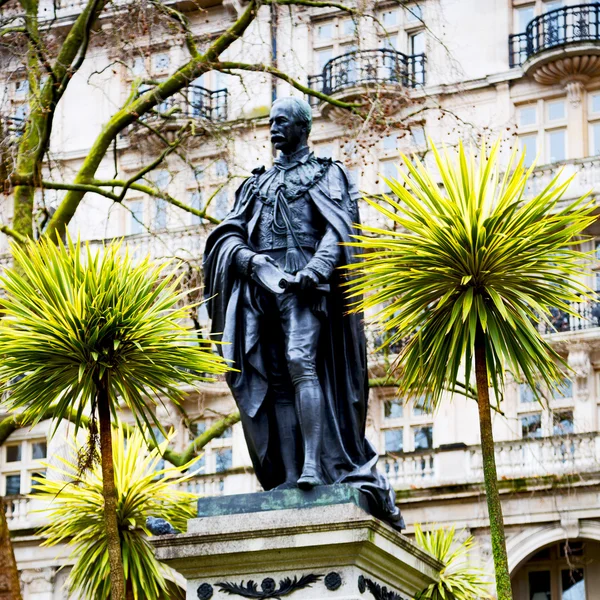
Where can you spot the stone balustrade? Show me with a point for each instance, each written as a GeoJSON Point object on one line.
{"type": "Point", "coordinates": [17, 511]}
{"type": "Point", "coordinates": [586, 171]}
{"type": "Point", "coordinates": [549, 456]}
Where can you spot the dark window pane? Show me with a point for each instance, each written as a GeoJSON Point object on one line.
{"type": "Point", "coordinates": [197, 428]}
{"type": "Point", "coordinates": [199, 466]}
{"type": "Point", "coordinates": [573, 584]}
{"type": "Point", "coordinates": [393, 409]}
{"type": "Point", "coordinates": [422, 406]}
{"type": "Point", "coordinates": [565, 390]}
{"type": "Point", "coordinates": [393, 440]}
{"type": "Point", "coordinates": [223, 460]}
{"type": "Point", "coordinates": [531, 426]}
{"type": "Point", "coordinates": [13, 453]}
{"type": "Point", "coordinates": [563, 422]}
{"type": "Point", "coordinates": [539, 585]}
{"type": "Point", "coordinates": [34, 483]}
{"type": "Point", "coordinates": [225, 434]}
{"type": "Point", "coordinates": [39, 450]}
{"type": "Point", "coordinates": [13, 485]}
{"type": "Point", "coordinates": [526, 394]}
{"type": "Point", "coordinates": [423, 437]}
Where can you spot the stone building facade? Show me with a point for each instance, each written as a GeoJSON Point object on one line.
{"type": "Point", "coordinates": [525, 70]}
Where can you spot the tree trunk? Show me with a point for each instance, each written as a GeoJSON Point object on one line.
{"type": "Point", "coordinates": [9, 575]}
{"type": "Point", "coordinates": [117, 577]}
{"type": "Point", "coordinates": [503, 585]}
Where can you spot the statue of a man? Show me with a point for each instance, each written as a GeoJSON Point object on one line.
{"type": "Point", "coordinates": [275, 298]}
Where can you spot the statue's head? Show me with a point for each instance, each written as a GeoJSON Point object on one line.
{"type": "Point", "coordinates": [291, 122]}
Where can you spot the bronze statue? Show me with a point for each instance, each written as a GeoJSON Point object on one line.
{"type": "Point", "coordinates": [274, 294]}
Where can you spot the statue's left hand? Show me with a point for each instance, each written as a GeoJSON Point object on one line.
{"type": "Point", "coordinates": [306, 279]}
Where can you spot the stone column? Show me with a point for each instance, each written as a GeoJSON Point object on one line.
{"type": "Point", "coordinates": [584, 410]}
{"type": "Point", "coordinates": [576, 119]}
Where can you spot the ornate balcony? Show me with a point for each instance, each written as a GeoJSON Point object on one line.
{"type": "Point", "coordinates": [559, 46]}
{"type": "Point", "coordinates": [587, 317]}
{"type": "Point", "coordinates": [352, 74]}
{"type": "Point", "coordinates": [11, 128]}
{"type": "Point", "coordinates": [542, 457]}
{"type": "Point", "coordinates": [195, 103]}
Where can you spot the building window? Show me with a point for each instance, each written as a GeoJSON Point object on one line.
{"type": "Point", "coordinates": [414, 13]}
{"type": "Point", "coordinates": [160, 62]}
{"type": "Point", "coordinates": [418, 136]}
{"type": "Point", "coordinates": [564, 390]}
{"type": "Point", "coordinates": [390, 142]}
{"type": "Point", "coordinates": [136, 216]}
{"type": "Point", "coordinates": [223, 460]}
{"type": "Point", "coordinates": [423, 437]}
{"type": "Point", "coordinates": [13, 485]}
{"type": "Point", "coordinates": [13, 453]}
{"type": "Point", "coordinates": [416, 43]}
{"type": "Point", "coordinates": [526, 395]}
{"type": "Point", "coordinates": [160, 214]}
{"type": "Point", "coordinates": [39, 450]}
{"type": "Point", "coordinates": [562, 423]}
{"type": "Point", "coordinates": [531, 426]}
{"type": "Point", "coordinates": [594, 127]}
{"type": "Point", "coordinates": [523, 16]}
{"type": "Point", "coordinates": [394, 440]}
{"type": "Point", "coordinates": [393, 409]}
{"type": "Point", "coordinates": [573, 584]}
{"type": "Point", "coordinates": [389, 171]}
{"type": "Point", "coordinates": [35, 483]}
{"type": "Point", "coordinates": [528, 145]}
{"type": "Point", "coordinates": [407, 426]}
{"type": "Point", "coordinates": [542, 129]}
{"type": "Point", "coordinates": [19, 463]}
{"type": "Point", "coordinates": [334, 37]}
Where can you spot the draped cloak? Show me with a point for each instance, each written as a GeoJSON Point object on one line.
{"type": "Point", "coordinates": [235, 312]}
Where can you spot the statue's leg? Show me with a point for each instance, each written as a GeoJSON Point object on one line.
{"type": "Point", "coordinates": [301, 329]}
{"type": "Point", "coordinates": [282, 393]}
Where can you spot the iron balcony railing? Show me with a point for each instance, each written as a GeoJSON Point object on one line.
{"type": "Point", "coordinates": [587, 316]}
{"type": "Point", "coordinates": [12, 127]}
{"type": "Point", "coordinates": [556, 28]}
{"type": "Point", "coordinates": [196, 102]}
{"type": "Point", "coordinates": [368, 67]}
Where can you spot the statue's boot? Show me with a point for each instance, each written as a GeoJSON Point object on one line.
{"type": "Point", "coordinates": [287, 427]}
{"type": "Point", "coordinates": [310, 409]}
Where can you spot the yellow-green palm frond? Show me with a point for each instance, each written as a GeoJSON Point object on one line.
{"type": "Point", "coordinates": [75, 514]}
{"type": "Point", "coordinates": [458, 580]}
{"type": "Point", "coordinates": [72, 317]}
{"type": "Point", "coordinates": [470, 259]}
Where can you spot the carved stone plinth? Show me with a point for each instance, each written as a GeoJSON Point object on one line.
{"type": "Point", "coordinates": [324, 546]}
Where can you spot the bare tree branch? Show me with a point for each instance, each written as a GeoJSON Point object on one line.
{"type": "Point", "coordinates": [228, 66]}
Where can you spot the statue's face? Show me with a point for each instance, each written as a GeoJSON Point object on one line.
{"type": "Point", "coordinates": [287, 132]}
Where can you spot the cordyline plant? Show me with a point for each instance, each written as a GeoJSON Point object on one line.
{"type": "Point", "coordinates": [458, 580]}
{"type": "Point", "coordinates": [75, 513]}
{"type": "Point", "coordinates": [84, 331]}
{"type": "Point", "coordinates": [470, 271]}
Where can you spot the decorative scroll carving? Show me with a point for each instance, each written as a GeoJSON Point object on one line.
{"type": "Point", "coordinates": [268, 587]}
{"type": "Point", "coordinates": [377, 591]}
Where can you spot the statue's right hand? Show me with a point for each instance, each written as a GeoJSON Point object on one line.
{"type": "Point", "coordinates": [259, 260]}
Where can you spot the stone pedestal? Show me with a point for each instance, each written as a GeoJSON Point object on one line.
{"type": "Point", "coordinates": [318, 545]}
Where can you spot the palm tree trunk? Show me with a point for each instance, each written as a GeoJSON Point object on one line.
{"type": "Point", "coordinates": [503, 585]}
{"type": "Point", "coordinates": [117, 577]}
{"type": "Point", "coordinates": [9, 575]}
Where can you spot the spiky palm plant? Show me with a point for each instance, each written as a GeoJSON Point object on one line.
{"type": "Point", "coordinates": [458, 580]}
{"type": "Point", "coordinates": [75, 514]}
{"type": "Point", "coordinates": [470, 271]}
{"type": "Point", "coordinates": [84, 330]}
